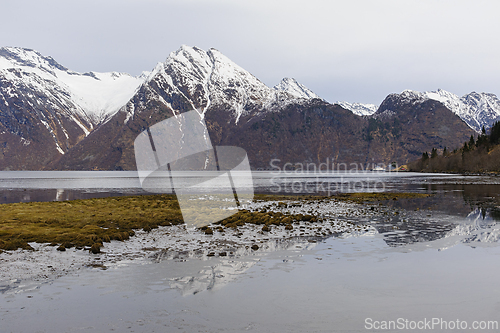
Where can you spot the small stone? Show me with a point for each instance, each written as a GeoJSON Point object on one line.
{"type": "Point", "coordinates": [255, 247]}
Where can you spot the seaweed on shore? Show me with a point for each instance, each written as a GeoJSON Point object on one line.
{"type": "Point", "coordinates": [266, 218]}
{"type": "Point", "coordinates": [363, 197]}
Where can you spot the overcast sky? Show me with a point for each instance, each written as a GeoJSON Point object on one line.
{"type": "Point", "coordinates": [356, 50]}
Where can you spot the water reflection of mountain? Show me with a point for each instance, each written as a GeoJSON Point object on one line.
{"type": "Point", "coordinates": [482, 227]}
{"type": "Point", "coordinates": [402, 230]}
{"type": "Point", "coordinates": [468, 213]}
{"type": "Point", "coordinates": [454, 199]}
{"type": "Point", "coordinates": [407, 227]}
{"type": "Point", "coordinates": [216, 272]}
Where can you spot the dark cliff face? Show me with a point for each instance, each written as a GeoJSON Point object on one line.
{"type": "Point", "coordinates": [311, 132]}
{"type": "Point", "coordinates": [314, 132]}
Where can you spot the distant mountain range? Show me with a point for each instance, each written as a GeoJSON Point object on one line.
{"type": "Point", "coordinates": [475, 109]}
{"type": "Point", "coordinates": [55, 118]}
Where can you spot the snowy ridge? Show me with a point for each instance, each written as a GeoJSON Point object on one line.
{"type": "Point", "coordinates": [222, 82]}
{"type": "Point", "coordinates": [359, 108]}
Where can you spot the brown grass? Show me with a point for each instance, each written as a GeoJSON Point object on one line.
{"type": "Point", "coordinates": [84, 222]}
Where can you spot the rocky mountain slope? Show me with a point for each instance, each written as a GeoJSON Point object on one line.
{"type": "Point", "coordinates": [408, 124]}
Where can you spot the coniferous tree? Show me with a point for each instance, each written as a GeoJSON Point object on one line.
{"type": "Point", "coordinates": [434, 153]}
{"type": "Point", "coordinates": [465, 148]}
{"type": "Point", "coordinates": [472, 142]}
{"type": "Point", "coordinates": [495, 133]}
{"type": "Point", "coordinates": [482, 139]}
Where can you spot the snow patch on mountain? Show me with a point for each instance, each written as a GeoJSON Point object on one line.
{"type": "Point", "coordinates": [100, 95]}
{"type": "Point", "coordinates": [359, 108]}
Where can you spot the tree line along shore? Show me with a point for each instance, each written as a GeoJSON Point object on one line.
{"type": "Point", "coordinates": [481, 154]}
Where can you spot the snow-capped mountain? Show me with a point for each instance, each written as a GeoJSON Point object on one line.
{"type": "Point", "coordinates": [208, 78]}
{"type": "Point", "coordinates": [476, 109]}
{"type": "Point", "coordinates": [190, 78]}
{"type": "Point", "coordinates": [359, 108]}
{"type": "Point", "coordinates": [294, 88]}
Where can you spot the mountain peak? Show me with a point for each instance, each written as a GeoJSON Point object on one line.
{"type": "Point", "coordinates": [475, 109]}
{"type": "Point", "coordinates": [294, 88]}
{"type": "Point", "coordinates": [206, 78]}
